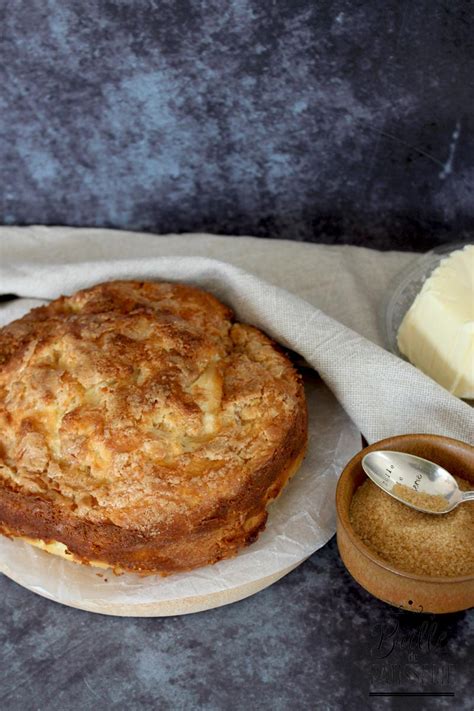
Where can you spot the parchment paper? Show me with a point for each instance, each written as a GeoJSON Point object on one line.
{"type": "Point", "coordinates": [300, 521]}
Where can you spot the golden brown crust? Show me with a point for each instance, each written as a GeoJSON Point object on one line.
{"type": "Point", "coordinates": [142, 427]}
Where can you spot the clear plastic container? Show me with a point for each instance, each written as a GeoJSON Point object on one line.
{"type": "Point", "coordinates": [406, 286]}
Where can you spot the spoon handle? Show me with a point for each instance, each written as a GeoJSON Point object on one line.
{"type": "Point", "coordinates": [468, 495]}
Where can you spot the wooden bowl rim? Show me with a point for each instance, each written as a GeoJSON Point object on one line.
{"type": "Point", "coordinates": [344, 520]}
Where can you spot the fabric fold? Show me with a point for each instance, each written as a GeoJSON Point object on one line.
{"type": "Point", "coordinates": [383, 394]}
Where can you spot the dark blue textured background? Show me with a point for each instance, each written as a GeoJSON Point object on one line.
{"type": "Point", "coordinates": [335, 121]}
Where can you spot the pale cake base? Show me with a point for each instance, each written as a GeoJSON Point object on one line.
{"type": "Point", "coordinates": [59, 549]}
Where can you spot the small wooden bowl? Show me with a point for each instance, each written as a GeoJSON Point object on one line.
{"type": "Point", "coordinates": [419, 593]}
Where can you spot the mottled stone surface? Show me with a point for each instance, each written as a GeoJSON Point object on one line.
{"type": "Point", "coordinates": [314, 640]}
{"type": "Point", "coordinates": [328, 121]}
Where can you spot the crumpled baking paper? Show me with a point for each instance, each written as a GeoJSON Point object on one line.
{"type": "Point", "coordinates": [300, 521]}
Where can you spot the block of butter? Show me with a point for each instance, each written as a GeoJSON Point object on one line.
{"type": "Point", "coordinates": [437, 332]}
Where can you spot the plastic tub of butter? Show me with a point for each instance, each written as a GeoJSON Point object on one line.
{"type": "Point", "coordinates": [428, 317]}
{"type": "Point", "coordinates": [384, 579]}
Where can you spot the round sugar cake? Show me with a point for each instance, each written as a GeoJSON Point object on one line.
{"type": "Point", "coordinates": [142, 428]}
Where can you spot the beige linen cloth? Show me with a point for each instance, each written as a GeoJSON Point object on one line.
{"type": "Point", "coordinates": [322, 302]}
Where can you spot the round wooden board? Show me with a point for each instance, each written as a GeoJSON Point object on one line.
{"type": "Point", "coordinates": [165, 608]}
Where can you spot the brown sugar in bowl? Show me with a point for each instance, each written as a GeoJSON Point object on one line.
{"type": "Point", "coordinates": [419, 593]}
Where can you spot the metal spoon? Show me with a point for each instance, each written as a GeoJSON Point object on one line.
{"type": "Point", "coordinates": [416, 482]}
